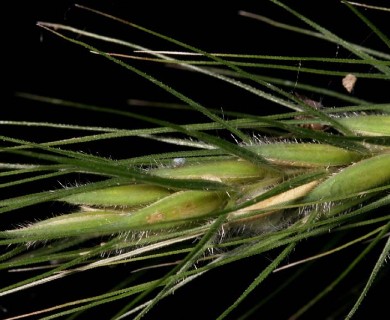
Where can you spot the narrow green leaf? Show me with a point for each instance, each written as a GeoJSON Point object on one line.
{"type": "Point", "coordinates": [379, 33]}
{"type": "Point", "coordinates": [380, 262]}
{"type": "Point", "coordinates": [342, 275]}
{"type": "Point", "coordinates": [331, 36]}
{"type": "Point", "coordinates": [263, 275]}
{"type": "Point", "coordinates": [263, 94]}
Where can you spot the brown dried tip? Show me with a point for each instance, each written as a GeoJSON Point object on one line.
{"type": "Point", "coordinates": [349, 82]}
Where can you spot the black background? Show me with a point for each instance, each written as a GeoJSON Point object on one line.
{"type": "Point", "coordinates": [40, 63]}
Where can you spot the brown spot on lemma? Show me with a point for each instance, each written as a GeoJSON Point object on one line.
{"type": "Point", "coordinates": [155, 217]}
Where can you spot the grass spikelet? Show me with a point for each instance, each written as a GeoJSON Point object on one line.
{"type": "Point", "coordinates": [216, 195]}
